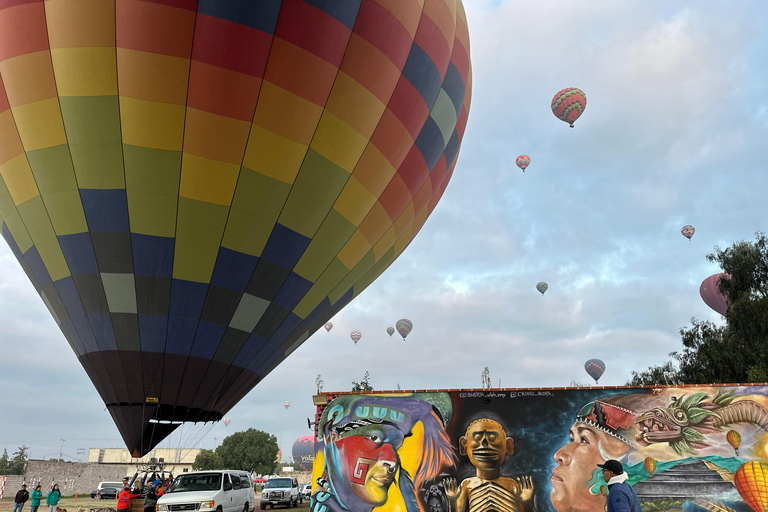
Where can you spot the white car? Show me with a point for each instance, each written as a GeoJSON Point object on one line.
{"type": "Point", "coordinates": [306, 490]}
{"type": "Point", "coordinates": [214, 491]}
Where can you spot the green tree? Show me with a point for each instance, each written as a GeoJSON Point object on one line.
{"type": "Point", "coordinates": [737, 351]}
{"type": "Point", "coordinates": [364, 384]}
{"type": "Point", "coordinates": [4, 463]}
{"type": "Point", "coordinates": [663, 374]}
{"type": "Point", "coordinates": [18, 464]}
{"type": "Point", "coordinates": [207, 460]}
{"type": "Point", "coordinates": [252, 450]}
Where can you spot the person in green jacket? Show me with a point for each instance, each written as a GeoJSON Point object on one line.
{"type": "Point", "coordinates": [52, 500]}
{"type": "Point", "coordinates": [37, 494]}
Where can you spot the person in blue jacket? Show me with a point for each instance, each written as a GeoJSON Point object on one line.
{"type": "Point", "coordinates": [621, 496]}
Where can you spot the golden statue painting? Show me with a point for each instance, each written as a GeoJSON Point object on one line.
{"type": "Point", "coordinates": [486, 444]}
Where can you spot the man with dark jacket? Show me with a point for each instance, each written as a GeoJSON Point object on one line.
{"type": "Point", "coordinates": [21, 497]}
{"type": "Point", "coordinates": [621, 496]}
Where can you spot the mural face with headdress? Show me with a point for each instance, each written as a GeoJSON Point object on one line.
{"type": "Point", "coordinates": [362, 436]}
{"type": "Point", "coordinates": [603, 429]}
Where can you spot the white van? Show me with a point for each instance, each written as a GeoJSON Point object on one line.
{"type": "Point", "coordinates": [220, 490]}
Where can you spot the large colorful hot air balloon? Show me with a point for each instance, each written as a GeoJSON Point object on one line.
{"type": "Point", "coordinates": [355, 335]}
{"type": "Point", "coordinates": [688, 231]}
{"type": "Point", "coordinates": [226, 421]}
{"type": "Point", "coordinates": [650, 465]}
{"type": "Point", "coordinates": [328, 326]}
{"type": "Point", "coordinates": [569, 104]}
{"type": "Point", "coordinates": [390, 331]}
{"type": "Point", "coordinates": [734, 439]}
{"type": "Point", "coordinates": [710, 293]}
{"type": "Point", "coordinates": [404, 327]}
{"type": "Point", "coordinates": [750, 481]}
{"type": "Point", "coordinates": [195, 187]}
{"type": "Point", "coordinates": [542, 287]}
{"type": "Point", "coordinates": [304, 452]}
{"type": "Point", "coordinates": [595, 368]}
{"type": "Point", "coordinates": [523, 161]}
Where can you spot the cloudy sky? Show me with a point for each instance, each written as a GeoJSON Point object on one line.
{"type": "Point", "coordinates": [674, 133]}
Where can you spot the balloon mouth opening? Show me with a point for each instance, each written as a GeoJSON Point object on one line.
{"type": "Point", "coordinates": [571, 125]}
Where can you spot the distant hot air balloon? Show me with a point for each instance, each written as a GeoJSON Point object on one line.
{"type": "Point", "coordinates": [183, 180]}
{"type": "Point", "coordinates": [688, 231]}
{"type": "Point", "coordinates": [356, 335]}
{"type": "Point", "coordinates": [750, 482]}
{"type": "Point", "coordinates": [390, 331]}
{"type": "Point", "coordinates": [404, 327]}
{"type": "Point", "coordinates": [287, 404]}
{"type": "Point", "coordinates": [650, 465]}
{"type": "Point", "coordinates": [523, 161]}
{"type": "Point", "coordinates": [328, 326]}
{"type": "Point", "coordinates": [542, 287]}
{"type": "Point", "coordinates": [569, 104]}
{"type": "Point", "coordinates": [279, 455]}
{"type": "Point", "coordinates": [595, 368]}
{"type": "Point", "coordinates": [226, 421]}
{"type": "Point", "coordinates": [710, 293]}
{"type": "Point", "coordinates": [303, 452]}
{"type": "Point", "coordinates": [734, 439]}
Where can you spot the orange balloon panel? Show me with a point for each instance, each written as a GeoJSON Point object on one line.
{"type": "Point", "coordinates": [194, 187]}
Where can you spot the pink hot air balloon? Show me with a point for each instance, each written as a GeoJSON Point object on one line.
{"type": "Point", "coordinates": [711, 294]}
{"type": "Point", "coordinates": [226, 421]}
{"type": "Point", "coordinates": [523, 161]}
{"type": "Point", "coordinates": [356, 335]}
{"type": "Point", "coordinates": [328, 326]}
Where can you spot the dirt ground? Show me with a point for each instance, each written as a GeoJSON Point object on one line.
{"type": "Point", "coordinates": [85, 504]}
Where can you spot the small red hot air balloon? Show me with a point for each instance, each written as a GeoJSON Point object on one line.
{"type": "Point", "coordinates": [650, 465]}
{"type": "Point", "coordinates": [523, 161]}
{"type": "Point", "coordinates": [710, 293]}
{"type": "Point", "coordinates": [688, 231]}
{"type": "Point", "coordinates": [734, 439]}
{"type": "Point", "coordinates": [356, 335]}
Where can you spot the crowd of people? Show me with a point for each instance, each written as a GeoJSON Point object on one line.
{"type": "Point", "coordinates": [150, 489]}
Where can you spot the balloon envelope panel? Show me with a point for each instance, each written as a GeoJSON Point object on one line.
{"type": "Point", "coordinates": [195, 187]}
{"type": "Point", "coordinates": [710, 293]}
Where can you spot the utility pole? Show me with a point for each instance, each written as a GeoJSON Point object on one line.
{"type": "Point", "coordinates": [61, 449]}
{"type": "Point", "coordinates": [80, 453]}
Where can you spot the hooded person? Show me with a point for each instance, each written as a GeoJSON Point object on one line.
{"type": "Point", "coordinates": [361, 436]}
{"type": "Point", "coordinates": [621, 496]}
{"type": "Point", "coordinates": [603, 429]}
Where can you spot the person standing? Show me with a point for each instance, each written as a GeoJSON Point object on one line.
{"type": "Point", "coordinates": [37, 495]}
{"type": "Point", "coordinates": [52, 500]}
{"type": "Point", "coordinates": [21, 497]}
{"type": "Point", "coordinates": [621, 496]}
{"type": "Point", "coordinates": [125, 497]}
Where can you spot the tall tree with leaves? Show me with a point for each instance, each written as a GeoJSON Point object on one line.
{"type": "Point", "coordinates": [18, 464]}
{"type": "Point", "coordinates": [4, 463]}
{"type": "Point", "coordinates": [207, 460]}
{"type": "Point", "coordinates": [737, 351]}
{"type": "Point", "coordinates": [364, 384]}
{"type": "Point", "coordinates": [252, 450]}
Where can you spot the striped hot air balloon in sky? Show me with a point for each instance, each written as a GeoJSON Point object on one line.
{"type": "Point", "coordinates": [355, 335]}
{"type": "Point", "coordinates": [404, 327]}
{"type": "Point", "coordinates": [194, 187]}
{"type": "Point", "coordinates": [688, 231]}
{"type": "Point", "coordinates": [390, 330]}
{"type": "Point", "coordinates": [569, 104]}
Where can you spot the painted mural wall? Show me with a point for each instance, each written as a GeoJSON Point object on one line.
{"type": "Point", "coordinates": [686, 448]}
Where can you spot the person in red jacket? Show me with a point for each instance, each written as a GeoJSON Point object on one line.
{"type": "Point", "coordinates": [125, 496]}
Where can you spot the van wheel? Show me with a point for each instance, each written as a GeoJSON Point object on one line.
{"type": "Point", "coordinates": [262, 506]}
{"type": "Point", "coordinates": [245, 507]}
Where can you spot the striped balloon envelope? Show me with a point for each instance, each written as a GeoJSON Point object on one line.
{"type": "Point", "coordinates": [355, 335]}
{"type": "Point", "coordinates": [595, 368]}
{"type": "Point", "coordinates": [569, 104]}
{"type": "Point", "coordinates": [194, 187]}
{"type": "Point", "coordinates": [523, 161]}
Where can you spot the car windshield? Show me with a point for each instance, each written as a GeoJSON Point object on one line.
{"type": "Point", "coordinates": [276, 483]}
{"type": "Point", "coordinates": [196, 482]}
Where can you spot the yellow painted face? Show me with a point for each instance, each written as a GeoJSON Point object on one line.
{"type": "Point", "coordinates": [379, 478]}
{"type": "Point", "coordinates": [486, 444]}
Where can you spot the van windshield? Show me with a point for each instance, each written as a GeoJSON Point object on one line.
{"type": "Point", "coordinates": [196, 482]}
{"type": "Point", "coordinates": [274, 483]}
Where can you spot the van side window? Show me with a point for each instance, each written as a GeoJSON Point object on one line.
{"type": "Point", "coordinates": [225, 480]}
{"type": "Point", "coordinates": [235, 482]}
{"type": "Point", "coordinates": [245, 481]}
{"type": "Point", "coordinates": [295, 483]}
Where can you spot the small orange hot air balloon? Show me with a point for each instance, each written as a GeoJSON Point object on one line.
{"type": "Point", "coordinates": [734, 439]}
{"type": "Point", "coordinates": [750, 482]}
{"type": "Point", "coordinates": [650, 465]}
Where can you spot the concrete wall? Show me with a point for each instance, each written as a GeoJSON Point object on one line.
{"type": "Point", "coordinates": [684, 447]}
